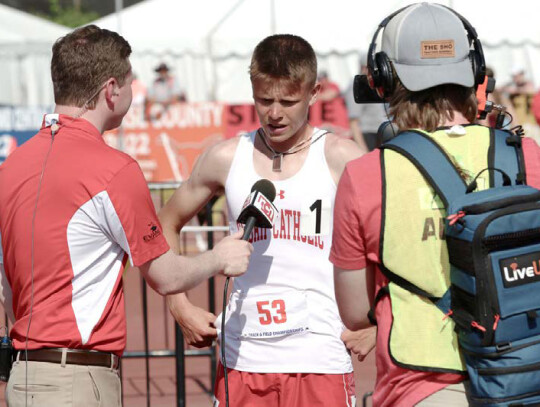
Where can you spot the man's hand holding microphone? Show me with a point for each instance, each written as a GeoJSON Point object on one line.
{"type": "Point", "coordinates": [233, 253]}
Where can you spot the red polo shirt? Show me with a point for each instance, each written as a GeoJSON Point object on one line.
{"type": "Point", "coordinates": [94, 212]}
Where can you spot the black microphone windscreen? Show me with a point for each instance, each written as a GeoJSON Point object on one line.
{"type": "Point", "coordinates": [266, 188]}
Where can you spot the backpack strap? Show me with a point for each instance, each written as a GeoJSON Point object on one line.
{"type": "Point", "coordinates": [383, 292]}
{"type": "Point", "coordinates": [432, 162]}
{"type": "Point", "coordinates": [435, 165]}
{"type": "Point", "coordinates": [504, 145]}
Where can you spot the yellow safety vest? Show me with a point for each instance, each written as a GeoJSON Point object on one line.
{"type": "Point", "coordinates": [414, 248]}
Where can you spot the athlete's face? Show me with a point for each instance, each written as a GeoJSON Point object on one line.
{"type": "Point", "coordinates": [283, 107]}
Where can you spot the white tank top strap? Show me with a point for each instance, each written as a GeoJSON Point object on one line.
{"type": "Point", "coordinates": [316, 155]}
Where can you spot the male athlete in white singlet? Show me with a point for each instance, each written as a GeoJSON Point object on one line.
{"type": "Point", "coordinates": [283, 332]}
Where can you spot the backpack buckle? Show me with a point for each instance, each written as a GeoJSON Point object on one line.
{"type": "Point", "coordinates": [513, 140]}
{"type": "Point", "coordinates": [455, 218]}
{"type": "Point", "coordinates": [502, 347]}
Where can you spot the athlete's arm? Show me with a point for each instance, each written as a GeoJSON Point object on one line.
{"type": "Point", "coordinates": [207, 178]}
{"type": "Point", "coordinates": [357, 134]}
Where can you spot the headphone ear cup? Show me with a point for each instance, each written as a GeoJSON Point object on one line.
{"type": "Point", "coordinates": [478, 69]}
{"type": "Point", "coordinates": [385, 74]}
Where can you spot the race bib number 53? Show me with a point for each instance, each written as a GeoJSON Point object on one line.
{"type": "Point", "coordinates": [275, 315]}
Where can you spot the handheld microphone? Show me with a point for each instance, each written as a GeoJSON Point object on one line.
{"type": "Point", "coordinates": [258, 209]}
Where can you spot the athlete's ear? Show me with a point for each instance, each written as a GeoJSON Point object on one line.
{"type": "Point", "coordinates": [314, 93]}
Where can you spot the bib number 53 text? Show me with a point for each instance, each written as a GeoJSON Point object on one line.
{"type": "Point", "coordinates": [272, 312]}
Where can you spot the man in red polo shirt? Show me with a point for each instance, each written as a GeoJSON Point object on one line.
{"type": "Point", "coordinates": [73, 211]}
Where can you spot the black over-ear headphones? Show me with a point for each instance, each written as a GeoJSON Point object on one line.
{"type": "Point", "coordinates": [380, 74]}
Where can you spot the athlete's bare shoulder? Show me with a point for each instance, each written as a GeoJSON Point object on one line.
{"type": "Point", "coordinates": [214, 163]}
{"type": "Point", "coordinates": [339, 151]}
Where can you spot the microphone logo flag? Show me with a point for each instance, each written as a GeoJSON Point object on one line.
{"type": "Point", "coordinates": [260, 207]}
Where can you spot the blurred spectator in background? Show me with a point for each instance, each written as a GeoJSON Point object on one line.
{"type": "Point", "coordinates": [329, 90]}
{"type": "Point", "coordinates": [165, 90]}
{"type": "Point", "coordinates": [139, 92]}
{"type": "Point", "coordinates": [536, 107]}
{"type": "Point", "coordinates": [519, 85]}
{"type": "Point", "coordinates": [365, 118]}
{"type": "Point", "coordinates": [521, 91]}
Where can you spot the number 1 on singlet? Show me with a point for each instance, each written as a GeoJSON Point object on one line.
{"type": "Point", "coordinates": [315, 218]}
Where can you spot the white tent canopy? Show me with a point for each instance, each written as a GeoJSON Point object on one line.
{"type": "Point", "coordinates": [25, 57]}
{"type": "Point", "coordinates": [209, 42]}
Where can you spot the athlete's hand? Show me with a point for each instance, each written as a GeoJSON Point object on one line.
{"type": "Point", "coordinates": [196, 323]}
{"type": "Point", "coordinates": [360, 342]}
{"type": "Point", "coordinates": [233, 254]}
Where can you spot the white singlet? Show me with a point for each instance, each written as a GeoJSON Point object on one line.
{"type": "Point", "coordinates": [282, 315]}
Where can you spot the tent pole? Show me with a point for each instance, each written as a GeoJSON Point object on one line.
{"type": "Point", "coordinates": [209, 37]}
{"type": "Point", "coordinates": [118, 6]}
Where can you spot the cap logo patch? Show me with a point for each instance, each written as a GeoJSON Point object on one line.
{"type": "Point", "coordinates": [438, 49]}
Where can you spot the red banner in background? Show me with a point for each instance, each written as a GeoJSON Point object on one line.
{"type": "Point", "coordinates": [167, 147]}
{"type": "Point", "coordinates": [331, 115]}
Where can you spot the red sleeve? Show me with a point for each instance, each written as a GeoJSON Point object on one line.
{"type": "Point", "coordinates": [531, 152]}
{"type": "Point", "coordinates": [348, 244]}
{"type": "Point", "coordinates": [131, 199]}
{"type": "Point", "coordinates": [535, 107]}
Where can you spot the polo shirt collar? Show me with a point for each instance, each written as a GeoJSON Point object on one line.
{"type": "Point", "coordinates": [62, 120]}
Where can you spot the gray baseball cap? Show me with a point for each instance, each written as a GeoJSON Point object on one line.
{"type": "Point", "coordinates": [428, 46]}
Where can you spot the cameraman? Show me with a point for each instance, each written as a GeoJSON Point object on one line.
{"type": "Point", "coordinates": [387, 215]}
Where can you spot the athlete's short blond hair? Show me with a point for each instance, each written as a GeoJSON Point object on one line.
{"type": "Point", "coordinates": [284, 56]}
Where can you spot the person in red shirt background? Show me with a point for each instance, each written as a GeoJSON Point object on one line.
{"type": "Point", "coordinates": [329, 89]}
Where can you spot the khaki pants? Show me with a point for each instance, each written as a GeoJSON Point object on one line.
{"type": "Point", "coordinates": [54, 384]}
{"type": "Point", "coordinates": [450, 396]}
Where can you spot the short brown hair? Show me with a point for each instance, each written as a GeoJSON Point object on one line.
{"type": "Point", "coordinates": [284, 56]}
{"type": "Point", "coordinates": [429, 108]}
{"type": "Point", "coordinates": [83, 60]}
